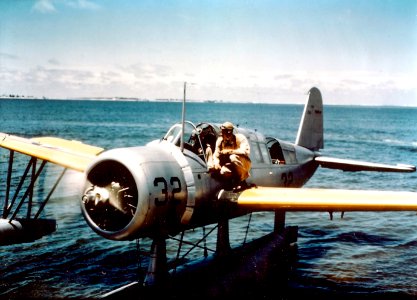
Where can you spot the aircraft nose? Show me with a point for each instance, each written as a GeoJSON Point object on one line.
{"type": "Point", "coordinates": [113, 194]}
{"type": "Point", "coordinates": [111, 198]}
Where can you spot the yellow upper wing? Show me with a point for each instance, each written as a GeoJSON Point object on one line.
{"type": "Point", "coordinates": [310, 199]}
{"type": "Point", "coordinates": [69, 154]}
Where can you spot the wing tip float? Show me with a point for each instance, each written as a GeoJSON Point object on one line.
{"type": "Point", "coordinates": [24, 230]}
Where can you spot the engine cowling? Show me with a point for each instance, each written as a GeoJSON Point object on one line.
{"type": "Point", "coordinates": [134, 192]}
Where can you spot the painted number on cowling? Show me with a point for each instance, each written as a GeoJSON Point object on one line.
{"type": "Point", "coordinates": [168, 191]}
{"type": "Point", "coordinates": [287, 179]}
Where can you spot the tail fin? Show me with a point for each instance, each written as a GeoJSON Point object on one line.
{"type": "Point", "coordinates": [310, 132]}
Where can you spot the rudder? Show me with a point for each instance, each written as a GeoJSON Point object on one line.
{"type": "Point", "coordinates": [310, 132]}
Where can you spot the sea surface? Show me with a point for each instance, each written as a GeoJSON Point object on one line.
{"type": "Point", "coordinates": [362, 253]}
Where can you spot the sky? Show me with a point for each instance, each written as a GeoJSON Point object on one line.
{"type": "Point", "coordinates": [356, 52]}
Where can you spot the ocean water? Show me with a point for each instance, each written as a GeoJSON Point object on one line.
{"type": "Point", "coordinates": [362, 253]}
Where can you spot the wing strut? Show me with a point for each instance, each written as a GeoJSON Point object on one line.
{"type": "Point", "coordinates": [17, 226]}
{"type": "Point", "coordinates": [50, 193]}
{"type": "Point", "coordinates": [29, 190]}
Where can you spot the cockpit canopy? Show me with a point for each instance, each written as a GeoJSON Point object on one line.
{"type": "Point", "coordinates": [197, 138]}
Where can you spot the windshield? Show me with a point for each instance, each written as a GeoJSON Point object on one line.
{"type": "Point", "coordinates": [196, 138]}
{"type": "Point", "coordinates": [174, 133]}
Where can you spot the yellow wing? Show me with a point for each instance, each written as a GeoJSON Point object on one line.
{"type": "Point", "coordinates": [310, 199]}
{"type": "Point", "coordinates": [69, 154]}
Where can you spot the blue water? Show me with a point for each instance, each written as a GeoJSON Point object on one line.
{"type": "Point", "coordinates": [363, 252]}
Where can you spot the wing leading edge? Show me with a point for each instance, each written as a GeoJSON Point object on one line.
{"type": "Point", "coordinates": [311, 199]}
{"type": "Point", "coordinates": [356, 165]}
{"type": "Point", "coordinates": [69, 154]}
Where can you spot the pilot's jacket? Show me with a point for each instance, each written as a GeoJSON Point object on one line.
{"type": "Point", "coordinates": [237, 158]}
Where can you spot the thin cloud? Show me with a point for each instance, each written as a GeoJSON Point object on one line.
{"type": "Point", "coordinates": [54, 62]}
{"type": "Point", "coordinates": [50, 6]}
{"type": "Point", "coordinates": [44, 6]}
{"type": "Point", "coordinates": [8, 56]}
{"type": "Point", "coordinates": [140, 70]}
{"type": "Point", "coordinates": [82, 4]}
{"type": "Point", "coordinates": [283, 76]}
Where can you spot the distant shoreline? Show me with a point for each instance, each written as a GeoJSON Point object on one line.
{"type": "Point", "coordinates": [173, 100]}
{"type": "Point", "coordinates": [127, 99]}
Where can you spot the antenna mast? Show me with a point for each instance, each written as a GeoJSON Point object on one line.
{"type": "Point", "coordinates": [183, 117]}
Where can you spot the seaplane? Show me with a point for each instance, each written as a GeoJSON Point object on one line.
{"type": "Point", "coordinates": [165, 188]}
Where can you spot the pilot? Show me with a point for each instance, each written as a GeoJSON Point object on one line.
{"type": "Point", "coordinates": [231, 155]}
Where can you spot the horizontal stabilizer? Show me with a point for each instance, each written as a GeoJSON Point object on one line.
{"type": "Point", "coordinates": [310, 199]}
{"type": "Point", "coordinates": [69, 154]}
{"type": "Point", "coordinates": [356, 165]}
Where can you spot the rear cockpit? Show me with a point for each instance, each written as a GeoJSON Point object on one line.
{"type": "Point", "coordinates": [275, 150]}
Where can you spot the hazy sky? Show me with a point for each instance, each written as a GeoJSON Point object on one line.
{"type": "Point", "coordinates": [354, 51]}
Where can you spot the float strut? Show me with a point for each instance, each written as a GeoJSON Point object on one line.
{"type": "Point", "coordinates": [157, 273]}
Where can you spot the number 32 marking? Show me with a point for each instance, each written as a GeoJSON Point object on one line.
{"type": "Point", "coordinates": [175, 188]}
{"type": "Point", "coordinates": [287, 179]}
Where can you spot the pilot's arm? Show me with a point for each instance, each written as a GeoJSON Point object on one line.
{"type": "Point", "coordinates": [216, 154]}
{"type": "Point", "coordinates": [243, 147]}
